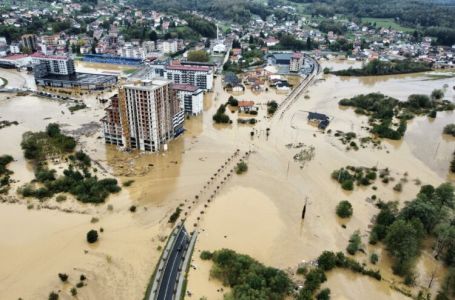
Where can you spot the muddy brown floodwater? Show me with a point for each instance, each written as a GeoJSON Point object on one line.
{"type": "Point", "coordinates": [257, 213]}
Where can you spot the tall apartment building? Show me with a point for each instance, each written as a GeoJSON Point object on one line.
{"type": "Point", "coordinates": [200, 76]}
{"type": "Point", "coordinates": [191, 98]}
{"type": "Point", "coordinates": [144, 116]}
{"type": "Point", "coordinates": [30, 41]}
{"type": "Point", "coordinates": [296, 62]}
{"type": "Point", "coordinates": [51, 64]}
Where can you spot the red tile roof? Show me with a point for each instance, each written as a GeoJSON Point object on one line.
{"type": "Point", "coordinates": [16, 56]}
{"type": "Point", "coordinates": [184, 87]}
{"type": "Point", "coordinates": [176, 65]}
{"type": "Point", "coordinates": [246, 103]}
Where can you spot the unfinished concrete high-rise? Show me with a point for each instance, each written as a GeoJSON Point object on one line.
{"type": "Point", "coordinates": [145, 115]}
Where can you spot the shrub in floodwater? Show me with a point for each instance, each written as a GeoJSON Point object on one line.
{"type": "Point", "coordinates": [374, 258]}
{"type": "Point", "coordinates": [53, 296]}
{"type": "Point", "coordinates": [241, 167]}
{"type": "Point", "coordinates": [92, 236]}
{"type": "Point", "coordinates": [344, 209]}
{"type": "Point", "coordinates": [63, 277]}
{"type": "Point", "coordinates": [206, 255]}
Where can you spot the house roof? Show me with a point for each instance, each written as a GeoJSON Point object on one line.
{"type": "Point", "coordinates": [15, 56]}
{"type": "Point", "coordinates": [184, 87]}
{"type": "Point", "coordinates": [246, 103]}
{"type": "Point", "coordinates": [178, 66]}
{"type": "Point", "coordinates": [188, 68]}
{"type": "Point", "coordinates": [317, 116]}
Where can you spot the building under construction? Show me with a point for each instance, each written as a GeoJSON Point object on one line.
{"type": "Point", "coordinates": [145, 115]}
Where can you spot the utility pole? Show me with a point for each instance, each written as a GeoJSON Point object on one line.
{"type": "Point", "coordinates": [304, 208]}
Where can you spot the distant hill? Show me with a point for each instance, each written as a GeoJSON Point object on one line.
{"type": "Point", "coordinates": [430, 17]}
{"type": "Point", "coordinates": [239, 11]}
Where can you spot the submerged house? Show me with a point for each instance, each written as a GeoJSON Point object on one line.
{"type": "Point", "coordinates": [321, 120]}
{"type": "Point", "coordinates": [232, 82]}
{"type": "Point", "coordinates": [247, 106]}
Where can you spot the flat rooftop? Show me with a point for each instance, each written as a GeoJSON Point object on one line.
{"type": "Point", "coordinates": [80, 78]}
{"type": "Point", "coordinates": [148, 85]}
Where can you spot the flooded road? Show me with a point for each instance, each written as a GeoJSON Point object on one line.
{"type": "Point", "coordinates": [257, 213]}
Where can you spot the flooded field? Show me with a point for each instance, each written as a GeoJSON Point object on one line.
{"type": "Point", "coordinates": [258, 213]}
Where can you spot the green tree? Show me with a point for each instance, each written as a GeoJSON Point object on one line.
{"type": "Point", "coordinates": [422, 209]}
{"type": "Point", "coordinates": [198, 56]}
{"type": "Point", "coordinates": [324, 294]}
{"type": "Point", "coordinates": [437, 94]}
{"type": "Point", "coordinates": [355, 242]}
{"type": "Point", "coordinates": [403, 243]}
{"type": "Point", "coordinates": [344, 209]}
{"type": "Point", "coordinates": [327, 260]}
{"type": "Point", "coordinates": [53, 296]}
{"type": "Point", "coordinates": [53, 130]}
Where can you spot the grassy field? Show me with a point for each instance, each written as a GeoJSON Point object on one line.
{"type": "Point", "coordinates": [386, 23]}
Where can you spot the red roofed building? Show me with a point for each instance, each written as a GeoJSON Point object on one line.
{"type": "Point", "coordinates": [200, 76]}
{"type": "Point", "coordinates": [246, 106]}
{"type": "Point", "coordinates": [15, 61]}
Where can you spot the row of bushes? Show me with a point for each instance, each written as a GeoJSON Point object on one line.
{"type": "Point", "coordinates": [85, 187]}
{"type": "Point", "coordinates": [383, 109]}
{"type": "Point", "coordinates": [326, 262]}
{"type": "Point", "coordinates": [251, 121]}
{"type": "Point", "coordinates": [5, 173]}
{"type": "Point", "coordinates": [361, 175]}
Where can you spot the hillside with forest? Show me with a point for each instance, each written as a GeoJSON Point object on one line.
{"type": "Point", "coordinates": [433, 18]}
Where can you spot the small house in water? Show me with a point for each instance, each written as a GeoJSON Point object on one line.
{"type": "Point", "coordinates": [247, 106]}
{"type": "Point", "coordinates": [321, 120]}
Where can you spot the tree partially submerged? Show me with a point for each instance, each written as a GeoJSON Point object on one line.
{"type": "Point", "coordinates": [344, 209]}
{"type": "Point", "coordinates": [248, 278]}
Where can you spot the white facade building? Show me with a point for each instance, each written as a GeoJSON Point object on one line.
{"type": "Point", "coordinates": [14, 48]}
{"type": "Point", "coordinates": [191, 98]}
{"type": "Point", "coordinates": [57, 65]}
